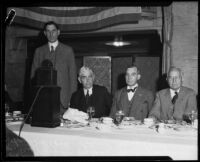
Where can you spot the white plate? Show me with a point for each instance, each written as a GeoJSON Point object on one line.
{"type": "Point", "coordinates": [14, 123]}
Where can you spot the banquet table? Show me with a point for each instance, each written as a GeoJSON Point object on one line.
{"type": "Point", "coordinates": [122, 141]}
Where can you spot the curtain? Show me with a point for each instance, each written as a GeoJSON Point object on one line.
{"type": "Point", "coordinates": [167, 38]}
{"type": "Point", "coordinates": [76, 19]}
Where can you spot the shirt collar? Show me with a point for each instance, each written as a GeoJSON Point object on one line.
{"type": "Point", "coordinates": [172, 92]}
{"type": "Point", "coordinates": [90, 91]}
{"type": "Point", "coordinates": [54, 44]}
{"type": "Point", "coordinates": [132, 87]}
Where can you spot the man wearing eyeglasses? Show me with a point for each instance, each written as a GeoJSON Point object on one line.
{"type": "Point", "coordinates": [174, 102]}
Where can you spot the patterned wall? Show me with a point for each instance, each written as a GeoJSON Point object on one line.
{"type": "Point", "coordinates": [119, 66]}
{"type": "Point", "coordinates": [101, 65]}
{"type": "Point", "coordinates": [149, 69]}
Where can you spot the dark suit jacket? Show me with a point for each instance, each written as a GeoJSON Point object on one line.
{"type": "Point", "coordinates": [64, 63]}
{"type": "Point", "coordinates": [185, 103]}
{"type": "Point", "coordinates": [140, 106]}
{"type": "Point", "coordinates": [100, 99]}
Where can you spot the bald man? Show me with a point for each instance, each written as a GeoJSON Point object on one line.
{"type": "Point", "coordinates": [174, 102]}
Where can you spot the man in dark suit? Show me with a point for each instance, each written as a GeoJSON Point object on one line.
{"type": "Point", "coordinates": [133, 100]}
{"type": "Point", "coordinates": [63, 60]}
{"type": "Point", "coordinates": [174, 102]}
{"type": "Point", "coordinates": [91, 95]}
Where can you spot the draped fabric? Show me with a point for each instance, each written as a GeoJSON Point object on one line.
{"type": "Point", "coordinates": [76, 19]}
{"type": "Point", "coordinates": [167, 38]}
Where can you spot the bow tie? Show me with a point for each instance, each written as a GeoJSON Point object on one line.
{"type": "Point", "coordinates": [131, 90]}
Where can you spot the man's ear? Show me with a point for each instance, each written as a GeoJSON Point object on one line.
{"type": "Point", "coordinates": [45, 33]}
{"type": "Point", "coordinates": [138, 77]}
{"type": "Point", "coordinates": [58, 32]}
{"type": "Point", "coordinates": [79, 79]}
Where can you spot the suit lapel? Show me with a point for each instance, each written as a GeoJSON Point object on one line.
{"type": "Point", "coordinates": [180, 95]}
{"type": "Point", "coordinates": [168, 97]}
{"type": "Point", "coordinates": [93, 96]}
{"type": "Point", "coordinates": [169, 106]}
{"type": "Point", "coordinates": [82, 99]}
{"type": "Point", "coordinates": [137, 96]}
{"type": "Point", "coordinates": [136, 100]}
{"type": "Point", "coordinates": [123, 101]}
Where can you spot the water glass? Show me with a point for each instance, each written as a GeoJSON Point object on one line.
{"type": "Point", "coordinates": [7, 108]}
{"type": "Point", "coordinates": [90, 112]}
{"type": "Point", "coordinates": [119, 117]}
{"type": "Point", "coordinates": [192, 116]}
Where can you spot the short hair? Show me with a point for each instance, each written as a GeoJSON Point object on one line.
{"type": "Point", "coordinates": [173, 68]}
{"type": "Point", "coordinates": [83, 69]}
{"type": "Point", "coordinates": [51, 23]}
{"type": "Point", "coordinates": [134, 66]}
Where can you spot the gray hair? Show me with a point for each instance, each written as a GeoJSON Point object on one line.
{"type": "Point", "coordinates": [83, 69]}
{"type": "Point", "coordinates": [173, 68]}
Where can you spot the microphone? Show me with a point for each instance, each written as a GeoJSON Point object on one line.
{"type": "Point", "coordinates": [30, 110]}
{"type": "Point", "coordinates": [10, 17]}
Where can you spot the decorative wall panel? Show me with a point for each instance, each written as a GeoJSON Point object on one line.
{"type": "Point", "coordinates": [119, 66]}
{"type": "Point", "coordinates": [101, 65]}
{"type": "Point", "coordinates": [149, 69]}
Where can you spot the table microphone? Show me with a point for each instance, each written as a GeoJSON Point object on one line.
{"type": "Point", "coordinates": [30, 110]}
{"type": "Point", "coordinates": [10, 17]}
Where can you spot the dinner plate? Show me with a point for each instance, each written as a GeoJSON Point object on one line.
{"type": "Point", "coordinates": [14, 123]}
{"type": "Point", "coordinates": [128, 118]}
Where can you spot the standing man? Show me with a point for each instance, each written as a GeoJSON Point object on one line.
{"type": "Point", "coordinates": [62, 57]}
{"type": "Point", "coordinates": [133, 100]}
{"type": "Point", "coordinates": [91, 95]}
{"type": "Point", "coordinates": [174, 102]}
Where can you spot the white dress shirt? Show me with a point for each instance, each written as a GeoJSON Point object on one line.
{"type": "Point", "coordinates": [172, 92]}
{"type": "Point", "coordinates": [54, 44]}
{"type": "Point", "coordinates": [131, 94]}
{"type": "Point", "coordinates": [85, 91]}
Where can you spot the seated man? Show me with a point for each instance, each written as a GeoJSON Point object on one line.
{"type": "Point", "coordinates": [172, 103]}
{"type": "Point", "coordinates": [133, 100]}
{"type": "Point", "coordinates": [91, 95]}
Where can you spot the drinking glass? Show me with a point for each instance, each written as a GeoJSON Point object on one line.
{"type": "Point", "coordinates": [90, 112]}
{"type": "Point", "coordinates": [7, 108]}
{"type": "Point", "coordinates": [192, 116]}
{"type": "Point", "coordinates": [119, 117]}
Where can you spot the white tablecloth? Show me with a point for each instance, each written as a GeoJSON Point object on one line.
{"type": "Point", "coordinates": [132, 141]}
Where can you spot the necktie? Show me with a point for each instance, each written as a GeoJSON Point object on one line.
{"type": "Point", "coordinates": [87, 98]}
{"type": "Point", "coordinates": [131, 90]}
{"type": "Point", "coordinates": [175, 98]}
{"type": "Point", "coordinates": [52, 49]}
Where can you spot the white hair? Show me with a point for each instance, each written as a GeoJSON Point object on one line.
{"type": "Point", "coordinates": [83, 69]}
{"type": "Point", "coordinates": [173, 68]}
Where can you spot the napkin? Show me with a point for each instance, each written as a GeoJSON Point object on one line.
{"type": "Point", "coordinates": [73, 114]}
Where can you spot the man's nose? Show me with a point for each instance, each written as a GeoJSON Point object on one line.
{"type": "Point", "coordinates": [88, 79]}
{"type": "Point", "coordinates": [51, 34]}
{"type": "Point", "coordinates": [174, 80]}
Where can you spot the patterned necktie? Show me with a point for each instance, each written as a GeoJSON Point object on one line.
{"type": "Point", "coordinates": [175, 98]}
{"type": "Point", "coordinates": [131, 90]}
